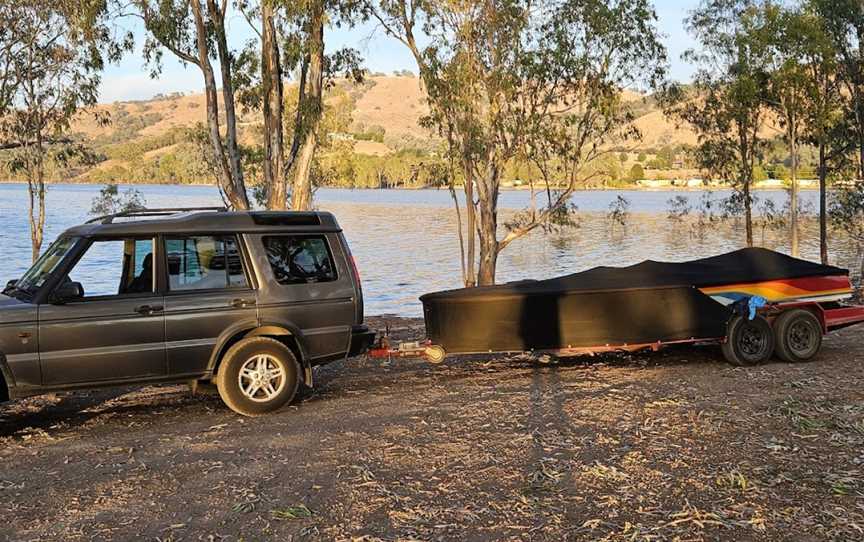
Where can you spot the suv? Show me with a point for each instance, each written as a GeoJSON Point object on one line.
{"type": "Point", "coordinates": [250, 300]}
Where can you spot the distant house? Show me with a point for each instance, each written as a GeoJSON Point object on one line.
{"type": "Point", "coordinates": [340, 136]}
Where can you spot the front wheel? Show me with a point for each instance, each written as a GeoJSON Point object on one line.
{"type": "Point", "coordinates": [797, 335]}
{"type": "Point", "coordinates": [258, 375]}
{"type": "Point", "coordinates": [748, 342]}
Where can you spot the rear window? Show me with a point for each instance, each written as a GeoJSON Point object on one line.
{"type": "Point", "coordinates": [204, 262]}
{"type": "Point", "coordinates": [300, 259]}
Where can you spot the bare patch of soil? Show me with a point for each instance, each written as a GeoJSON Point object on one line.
{"type": "Point", "coordinates": [644, 447]}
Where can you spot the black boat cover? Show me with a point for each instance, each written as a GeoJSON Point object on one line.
{"type": "Point", "coordinates": [644, 303]}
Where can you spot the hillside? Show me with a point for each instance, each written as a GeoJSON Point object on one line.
{"type": "Point", "coordinates": [149, 141]}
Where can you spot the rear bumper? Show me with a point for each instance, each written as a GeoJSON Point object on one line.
{"type": "Point", "coordinates": [362, 339]}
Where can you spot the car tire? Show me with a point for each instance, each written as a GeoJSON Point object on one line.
{"type": "Point", "coordinates": [257, 376]}
{"type": "Point", "coordinates": [797, 336]}
{"type": "Point", "coordinates": [748, 342]}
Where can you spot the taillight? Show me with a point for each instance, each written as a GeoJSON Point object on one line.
{"type": "Point", "coordinates": [355, 270]}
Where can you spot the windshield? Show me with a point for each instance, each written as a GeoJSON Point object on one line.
{"type": "Point", "coordinates": [36, 276]}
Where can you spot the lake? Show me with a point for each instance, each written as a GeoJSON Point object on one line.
{"type": "Point", "coordinates": [405, 244]}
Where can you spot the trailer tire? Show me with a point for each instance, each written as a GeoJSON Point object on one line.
{"type": "Point", "coordinates": [748, 342]}
{"type": "Point", "coordinates": [797, 336]}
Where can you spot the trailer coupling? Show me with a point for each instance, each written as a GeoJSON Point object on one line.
{"type": "Point", "coordinates": [432, 353]}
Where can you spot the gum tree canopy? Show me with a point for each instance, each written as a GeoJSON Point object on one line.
{"type": "Point", "coordinates": [537, 81]}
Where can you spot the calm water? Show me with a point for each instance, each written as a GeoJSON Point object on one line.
{"type": "Point", "coordinates": [405, 244]}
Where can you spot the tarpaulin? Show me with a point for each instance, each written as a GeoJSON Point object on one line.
{"type": "Point", "coordinates": [647, 302]}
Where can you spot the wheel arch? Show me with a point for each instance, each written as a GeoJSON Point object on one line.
{"type": "Point", "coordinates": [287, 334]}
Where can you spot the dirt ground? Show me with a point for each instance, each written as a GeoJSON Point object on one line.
{"type": "Point", "coordinates": [675, 445]}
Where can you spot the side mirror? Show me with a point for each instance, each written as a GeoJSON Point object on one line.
{"type": "Point", "coordinates": [67, 291]}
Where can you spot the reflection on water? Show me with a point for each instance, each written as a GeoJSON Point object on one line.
{"type": "Point", "coordinates": [405, 245]}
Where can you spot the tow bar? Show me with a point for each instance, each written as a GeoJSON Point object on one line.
{"type": "Point", "coordinates": [432, 353]}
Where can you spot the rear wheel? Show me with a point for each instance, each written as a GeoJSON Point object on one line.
{"type": "Point", "coordinates": [748, 342]}
{"type": "Point", "coordinates": [258, 375]}
{"type": "Point", "coordinates": [797, 336]}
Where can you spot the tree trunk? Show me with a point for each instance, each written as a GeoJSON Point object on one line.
{"type": "Point", "coordinates": [301, 194]}
{"type": "Point", "coordinates": [823, 204]}
{"type": "Point", "coordinates": [236, 198]}
{"type": "Point", "coordinates": [36, 189]}
{"type": "Point", "coordinates": [275, 180]}
{"type": "Point", "coordinates": [471, 224]}
{"type": "Point", "coordinates": [748, 213]}
{"type": "Point", "coordinates": [232, 147]}
{"type": "Point", "coordinates": [745, 179]}
{"type": "Point", "coordinates": [793, 194]}
{"type": "Point", "coordinates": [488, 230]}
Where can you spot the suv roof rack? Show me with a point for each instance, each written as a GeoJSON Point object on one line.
{"type": "Point", "coordinates": [164, 211]}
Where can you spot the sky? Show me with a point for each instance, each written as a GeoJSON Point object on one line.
{"type": "Point", "coordinates": [130, 79]}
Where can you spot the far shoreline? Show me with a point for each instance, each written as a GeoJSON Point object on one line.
{"type": "Point", "coordinates": [523, 188]}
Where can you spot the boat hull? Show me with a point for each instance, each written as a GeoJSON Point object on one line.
{"type": "Point", "coordinates": [646, 303]}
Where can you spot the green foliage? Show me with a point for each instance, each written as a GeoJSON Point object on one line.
{"type": "Point", "coordinates": [847, 211]}
{"type": "Point", "coordinates": [759, 174]}
{"type": "Point", "coordinates": [637, 173]}
{"type": "Point", "coordinates": [405, 169]}
{"type": "Point", "coordinates": [372, 133]}
{"type": "Point", "coordinates": [516, 80]}
{"type": "Point", "coordinates": [619, 211]}
{"type": "Point", "coordinates": [111, 201]}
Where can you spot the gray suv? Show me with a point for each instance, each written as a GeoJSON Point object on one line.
{"type": "Point", "coordinates": [249, 300]}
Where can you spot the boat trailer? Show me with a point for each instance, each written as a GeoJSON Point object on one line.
{"type": "Point", "coordinates": [831, 318]}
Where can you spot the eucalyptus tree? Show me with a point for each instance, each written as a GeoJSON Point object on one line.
{"type": "Point", "coordinates": [291, 39]}
{"type": "Point", "coordinates": [824, 105]}
{"type": "Point", "coordinates": [195, 34]}
{"type": "Point", "coordinates": [52, 54]}
{"type": "Point", "coordinates": [727, 103]}
{"type": "Point", "coordinates": [843, 24]}
{"type": "Point", "coordinates": [791, 87]}
{"type": "Point", "coordinates": [847, 215]}
{"type": "Point", "coordinates": [538, 81]}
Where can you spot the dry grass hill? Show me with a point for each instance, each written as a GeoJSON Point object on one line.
{"type": "Point", "coordinates": [382, 116]}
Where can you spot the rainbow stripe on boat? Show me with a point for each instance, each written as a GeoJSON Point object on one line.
{"type": "Point", "coordinates": [830, 288]}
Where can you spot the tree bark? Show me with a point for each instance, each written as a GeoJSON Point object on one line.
{"type": "Point", "coordinates": [231, 144]}
{"type": "Point", "coordinates": [471, 223]}
{"type": "Point", "coordinates": [301, 193]}
{"type": "Point", "coordinates": [36, 189]}
{"type": "Point", "coordinates": [746, 177]}
{"type": "Point", "coordinates": [488, 227]}
{"type": "Point", "coordinates": [823, 203]}
{"type": "Point", "coordinates": [234, 191]}
{"type": "Point", "coordinates": [275, 179]}
{"type": "Point", "coordinates": [793, 194]}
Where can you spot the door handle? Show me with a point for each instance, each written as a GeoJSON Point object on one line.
{"type": "Point", "coordinates": [148, 309]}
{"type": "Point", "coordinates": [241, 303]}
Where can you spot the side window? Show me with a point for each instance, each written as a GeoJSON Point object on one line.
{"type": "Point", "coordinates": [204, 262]}
{"type": "Point", "coordinates": [300, 259]}
{"type": "Point", "coordinates": [115, 267]}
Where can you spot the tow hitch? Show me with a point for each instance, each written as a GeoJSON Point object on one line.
{"type": "Point", "coordinates": [383, 348]}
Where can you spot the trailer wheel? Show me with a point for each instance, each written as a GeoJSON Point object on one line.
{"type": "Point", "coordinates": [748, 342]}
{"type": "Point", "coordinates": [797, 336]}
